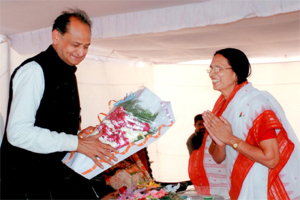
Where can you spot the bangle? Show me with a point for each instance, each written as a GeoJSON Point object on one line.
{"type": "Point", "coordinates": [236, 144]}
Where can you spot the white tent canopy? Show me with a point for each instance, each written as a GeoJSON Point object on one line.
{"type": "Point", "coordinates": [162, 34]}
{"type": "Point", "coordinates": [169, 34]}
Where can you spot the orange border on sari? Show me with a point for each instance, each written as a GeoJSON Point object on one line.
{"type": "Point", "coordinates": [264, 122]}
{"type": "Point", "coordinates": [198, 176]}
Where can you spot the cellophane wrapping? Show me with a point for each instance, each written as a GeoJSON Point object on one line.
{"type": "Point", "coordinates": [133, 123]}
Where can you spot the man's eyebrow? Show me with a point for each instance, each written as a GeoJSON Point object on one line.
{"type": "Point", "coordinates": [74, 42]}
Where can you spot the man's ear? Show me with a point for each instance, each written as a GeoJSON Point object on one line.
{"type": "Point", "coordinates": [55, 36]}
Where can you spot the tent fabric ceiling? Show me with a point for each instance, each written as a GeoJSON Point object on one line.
{"type": "Point", "coordinates": [20, 16]}
{"type": "Point", "coordinates": [276, 36]}
{"type": "Point", "coordinates": [167, 31]}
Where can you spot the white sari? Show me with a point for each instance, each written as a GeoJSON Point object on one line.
{"type": "Point", "coordinates": [244, 108]}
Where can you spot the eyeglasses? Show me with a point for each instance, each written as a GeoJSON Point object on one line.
{"type": "Point", "coordinates": [215, 70]}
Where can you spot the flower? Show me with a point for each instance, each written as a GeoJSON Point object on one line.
{"type": "Point", "coordinates": [121, 128]}
{"type": "Point", "coordinates": [122, 189]}
{"type": "Point", "coordinates": [157, 194]}
{"type": "Point", "coordinates": [149, 191]}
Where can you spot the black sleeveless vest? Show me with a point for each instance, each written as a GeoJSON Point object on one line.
{"type": "Point", "coordinates": [59, 111]}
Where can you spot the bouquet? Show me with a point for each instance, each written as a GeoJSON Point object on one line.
{"type": "Point", "coordinates": [133, 123]}
{"type": "Point", "coordinates": [128, 122]}
{"type": "Point", "coordinates": [149, 191]}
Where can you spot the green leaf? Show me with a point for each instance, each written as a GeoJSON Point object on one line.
{"type": "Point", "coordinates": [136, 110]}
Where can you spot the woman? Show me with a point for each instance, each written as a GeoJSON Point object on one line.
{"type": "Point", "coordinates": [250, 134]}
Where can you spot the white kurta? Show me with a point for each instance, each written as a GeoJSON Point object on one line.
{"type": "Point", "coordinates": [28, 90]}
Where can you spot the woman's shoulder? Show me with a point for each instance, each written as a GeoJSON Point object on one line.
{"type": "Point", "coordinates": [252, 94]}
{"type": "Point", "coordinates": [259, 100]}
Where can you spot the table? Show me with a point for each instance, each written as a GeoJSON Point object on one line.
{"type": "Point", "coordinates": [191, 192]}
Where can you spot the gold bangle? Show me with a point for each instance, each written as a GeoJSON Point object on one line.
{"type": "Point", "coordinates": [236, 144]}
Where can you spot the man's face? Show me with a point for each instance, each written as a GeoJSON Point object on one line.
{"type": "Point", "coordinates": [199, 125]}
{"type": "Point", "coordinates": [72, 47]}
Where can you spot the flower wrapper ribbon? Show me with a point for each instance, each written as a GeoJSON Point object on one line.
{"type": "Point", "coordinates": [132, 124]}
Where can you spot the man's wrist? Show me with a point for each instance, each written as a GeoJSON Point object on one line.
{"type": "Point", "coordinates": [72, 144]}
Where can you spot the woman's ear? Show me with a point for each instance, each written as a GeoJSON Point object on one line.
{"type": "Point", "coordinates": [235, 78]}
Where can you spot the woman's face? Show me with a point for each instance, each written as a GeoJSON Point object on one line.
{"type": "Point", "coordinates": [223, 77]}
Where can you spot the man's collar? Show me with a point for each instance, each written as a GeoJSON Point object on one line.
{"type": "Point", "coordinates": [57, 59]}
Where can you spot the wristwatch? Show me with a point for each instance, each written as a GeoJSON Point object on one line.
{"type": "Point", "coordinates": [236, 144]}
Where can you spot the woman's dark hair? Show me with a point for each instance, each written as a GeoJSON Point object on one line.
{"type": "Point", "coordinates": [61, 22]}
{"type": "Point", "coordinates": [238, 61]}
{"type": "Point", "coordinates": [197, 118]}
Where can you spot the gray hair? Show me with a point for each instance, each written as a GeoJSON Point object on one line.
{"type": "Point", "coordinates": [61, 22]}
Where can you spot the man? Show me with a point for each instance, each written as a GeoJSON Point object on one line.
{"type": "Point", "coordinates": [195, 140]}
{"type": "Point", "coordinates": [44, 117]}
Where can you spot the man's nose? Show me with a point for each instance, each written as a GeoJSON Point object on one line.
{"type": "Point", "coordinates": [80, 51]}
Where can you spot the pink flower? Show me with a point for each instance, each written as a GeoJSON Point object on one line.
{"type": "Point", "coordinates": [118, 113]}
{"type": "Point", "coordinates": [106, 130]}
{"type": "Point", "coordinates": [137, 126]}
{"type": "Point", "coordinates": [119, 119]}
{"type": "Point", "coordinates": [139, 195]}
{"type": "Point", "coordinates": [157, 194]}
{"type": "Point", "coordinates": [146, 127]}
{"type": "Point", "coordinates": [114, 136]}
{"type": "Point", "coordinates": [118, 123]}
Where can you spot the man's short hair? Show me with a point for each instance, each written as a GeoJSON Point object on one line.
{"type": "Point", "coordinates": [61, 22]}
{"type": "Point", "coordinates": [197, 118]}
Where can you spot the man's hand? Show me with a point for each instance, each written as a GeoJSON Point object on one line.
{"type": "Point", "coordinates": [93, 148]}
